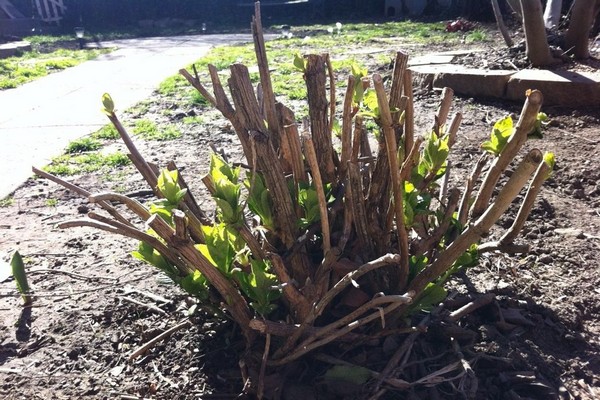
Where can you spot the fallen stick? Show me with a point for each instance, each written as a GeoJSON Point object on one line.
{"type": "Point", "coordinates": [472, 306]}
{"type": "Point", "coordinates": [148, 345]}
{"type": "Point", "coordinates": [148, 306]}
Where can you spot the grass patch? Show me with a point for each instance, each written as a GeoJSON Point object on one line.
{"type": "Point", "coordinates": [149, 130]}
{"type": "Point", "coordinates": [15, 71]}
{"type": "Point", "coordinates": [476, 36]}
{"type": "Point", "coordinates": [287, 80]}
{"type": "Point", "coordinates": [140, 108]}
{"type": "Point", "coordinates": [83, 145]}
{"type": "Point", "coordinates": [197, 119]}
{"type": "Point", "coordinates": [172, 85]}
{"type": "Point", "coordinates": [107, 132]}
{"type": "Point", "coordinates": [69, 164]}
{"type": "Point", "coordinates": [7, 202]}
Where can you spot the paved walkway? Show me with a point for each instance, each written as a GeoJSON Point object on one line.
{"type": "Point", "coordinates": [39, 119]}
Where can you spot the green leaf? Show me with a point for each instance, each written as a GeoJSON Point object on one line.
{"type": "Point", "coordinates": [371, 103]}
{"type": "Point", "coordinates": [550, 161]}
{"type": "Point", "coordinates": [358, 73]}
{"type": "Point", "coordinates": [416, 264]}
{"type": "Point", "coordinates": [351, 374]}
{"type": "Point", "coordinates": [220, 247]}
{"type": "Point", "coordinates": [18, 272]}
{"type": "Point", "coordinates": [435, 154]}
{"type": "Point", "coordinates": [218, 166]}
{"type": "Point", "coordinates": [259, 200]}
{"type": "Point", "coordinates": [300, 62]}
{"type": "Point", "coordinates": [151, 256]}
{"type": "Point", "coordinates": [108, 104]}
{"type": "Point", "coordinates": [260, 286]}
{"type": "Point", "coordinates": [501, 132]}
{"type": "Point", "coordinates": [168, 184]}
{"type": "Point", "coordinates": [432, 295]}
{"type": "Point", "coordinates": [195, 284]}
{"type": "Point", "coordinates": [538, 126]}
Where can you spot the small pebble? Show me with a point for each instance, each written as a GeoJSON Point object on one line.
{"type": "Point", "coordinates": [546, 259]}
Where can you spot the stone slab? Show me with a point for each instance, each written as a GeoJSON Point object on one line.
{"type": "Point", "coordinates": [12, 48]}
{"type": "Point", "coordinates": [465, 81]}
{"type": "Point", "coordinates": [560, 88]}
{"type": "Point", "coordinates": [431, 59]}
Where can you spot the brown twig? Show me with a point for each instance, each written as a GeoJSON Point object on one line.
{"type": "Point", "coordinates": [534, 188]}
{"type": "Point", "coordinates": [347, 128]}
{"type": "Point", "coordinates": [311, 156]}
{"type": "Point", "coordinates": [263, 367]}
{"type": "Point", "coordinates": [148, 306]}
{"type": "Point", "coordinates": [443, 109]}
{"type": "Point", "coordinates": [500, 22]}
{"type": "Point", "coordinates": [151, 343]}
{"type": "Point", "coordinates": [397, 184]}
{"type": "Point", "coordinates": [82, 192]}
{"type": "Point", "coordinates": [409, 114]}
{"type": "Point", "coordinates": [474, 232]}
{"type": "Point", "coordinates": [298, 303]}
{"type": "Point", "coordinates": [332, 88]}
{"type": "Point", "coordinates": [342, 284]}
{"type": "Point", "coordinates": [303, 348]}
{"type": "Point", "coordinates": [465, 202]}
{"type": "Point", "coordinates": [472, 306]}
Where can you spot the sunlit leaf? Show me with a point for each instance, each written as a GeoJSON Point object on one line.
{"type": "Point", "coordinates": [18, 272]}
{"type": "Point", "coordinates": [108, 104]}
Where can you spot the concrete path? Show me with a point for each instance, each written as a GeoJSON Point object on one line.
{"type": "Point", "coordinates": [39, 119]}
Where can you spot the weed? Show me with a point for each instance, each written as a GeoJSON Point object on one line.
{"type": "Point", "coordinates": [51, 202]}
{"type": "Point", "coordinates": [476, 36]}
{"type": "Point", "coordinates": [7, 201]}
{"type": "Point", "coordinates": [197, 99]}
{"type": "Point", "coordinates": [68, 164]}
{"type": "Point", "coordinates": [148, 130]}
{"type": "Point", "coordinates": [83, 145]}
{"type": "Point", "coordinates": [172, 85]}
{"type": "Point", "coordinates": [107, 132]}
{"type": "Point", "coordinates": [196, 119]}
{"type": "Point", "coordinates": [140, 108]}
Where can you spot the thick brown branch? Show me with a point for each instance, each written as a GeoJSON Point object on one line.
{"type": "Point", "coordinates": [515, 142]}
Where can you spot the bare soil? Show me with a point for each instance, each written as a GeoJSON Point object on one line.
{"type": "Point", "coordinates": [94, 304]}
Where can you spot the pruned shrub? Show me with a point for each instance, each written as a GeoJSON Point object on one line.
{"type": "Point", "coordinates": [317, 240]}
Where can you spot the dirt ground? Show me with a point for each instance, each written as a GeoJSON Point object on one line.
{"type": "Point", "coordinates": [95, 304]}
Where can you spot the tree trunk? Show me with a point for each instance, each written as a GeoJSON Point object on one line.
{"type": "Point", "coordinates": [500, 23]}
{"type": "Point", "coordinates": [582, 18]}
{"type": "Point", "coordinates": [538, 51]}
{"type": "Point", "coordinates": [552, 13]}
